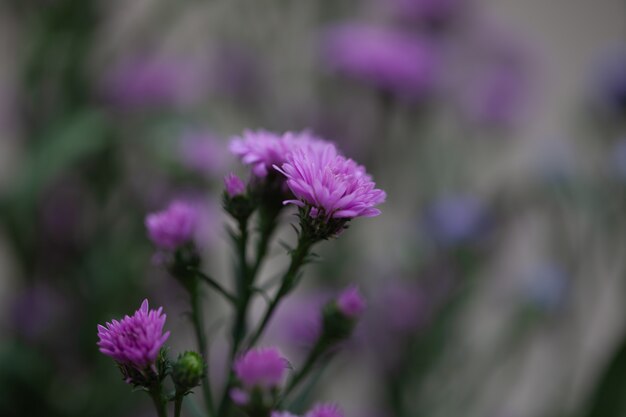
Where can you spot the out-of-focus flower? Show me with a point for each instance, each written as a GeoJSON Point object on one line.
{"type": "Point", "coordinates": [611, 83]}
{"type": "Point", "coordinates": [233, 185]}
{"type": "Point", "coordinates": [262, 367]}
{"type": "Point", "coordinates": [456, 219]}
{"type": "Point", "coordinates": [298, 320]}
{"type": "Point", "coordinates": [239, 396]}
{"type": "Point", "coordinates": [325, 410]}
{"type": "Point", "coordinates": [37, 310]}
{"type": "Point", "coordinates": [204, 153]}
{"type": "Point", "coordinates": [134, 340]}
{"type": "Point", "coordinates": [262, 149]}
{"type": "Point", "coordinates": [391, 60]}
{"type": "Point", "coordinates": [350, 302]}
{"type": "Point", "coordinates": [147, 81]}
{"type": "Point", "coordinates": [497, 96]}
{"type": "Point", "coordinates": [330, 184]}
{"type": "Point", "coordinates": [173, 227]}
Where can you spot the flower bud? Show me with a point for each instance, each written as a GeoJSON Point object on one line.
{"type": "Point", "coordinates": [233, 185]}
{"type": "Point", "coordinates": [340, 316]}
{"type": "Point", "coordinates": [188, 370]}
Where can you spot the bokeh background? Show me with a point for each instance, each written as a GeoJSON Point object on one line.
{"type": "Point", "coordinates": [495, 277]}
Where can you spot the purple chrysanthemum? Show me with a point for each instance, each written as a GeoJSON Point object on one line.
{"type": "Point", "coordinates": [262, 149]}
{"type": "Point", "coordinates": [325, 410]}
{"type": "Point", "coordinates": [135, 340]}
{"type": "Point", "coordinates": [334, 186]}
{"type": "Point", "coordinates": [233, 185]}
{"type": "Point", "coordinates": [263, 367]}
{"type": "Point", "coordinates": [389, 59]}
{"type": "Point", "coordinates": [174, 226]}
{"type": "Point", "coordinates": [350, 302]}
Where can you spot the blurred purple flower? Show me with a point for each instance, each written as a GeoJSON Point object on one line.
{"type": "Point", "coordinates": [239, 396]}
{"type": "Point", "coordinates": [204, 153]}
{"type": "Point", "coordinates": [37, 310]}
{"type": "Point", "coordinates": [146, 81]}
{"type": "Point", "coordinates": [350, 302]}
{"type": "Point", "coordinates": [391, 60]}
{"type": "Point", "coordinates": [233, 185]}
{"type": "Point", "coordinates": [298, 320]}
{"type": "Point", "coordinates": [456, 219]}
{"type": "Point", "coordinates": [174, 226]}
{"type": "Point", "coordinates": [325, 410]}
{"type": "Point", "coordinates": [262, 367]}
{"type": "Point", "coordinates": [262, 149]}
{"type": "Point", "coordinates": [135, 340]}
{"type": "Point", "coordinates": [611, 83]}
{"type": "Point", "coordinates": [334, 186]}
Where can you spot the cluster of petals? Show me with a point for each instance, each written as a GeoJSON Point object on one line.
{"type": "Point", "coordinates": [333, 185]}
{"type": "Point", "coordinates": [262, 367]}
{"type": "Point", "coordinates": [262, 149]}
{"type": "Point", "coordinates": [135, 340]}
{"type": "Point", "coordinates": [174, 226]}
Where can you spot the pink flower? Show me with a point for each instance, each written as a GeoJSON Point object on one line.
{"type": "Point", "coordinates": [351, 302]}
{"type": "Point", "coordinates": [234, 185]}
{"type": "Point", "coordinates": [262, 367]}
{"type": "Point", "coordinates": [262, 149]}
{"type": "Point", "coordinates": [174, 226]}
{"type": "Point", "coordinates": [332, 185]}
{"type": "Point", "coordinates": [325, 410]}
{"type": "Point", "coordinates": [135, 340]}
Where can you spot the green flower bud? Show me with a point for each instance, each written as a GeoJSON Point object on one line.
{"type": "Point", "coordinates": [188, 370]}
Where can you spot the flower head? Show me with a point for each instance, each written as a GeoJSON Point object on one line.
{"type": "Point", "coordinates": [325, 410]}
{"type": "Point", "coordinates": [135, 340]}
{"type": "Point", "coordinates": [174, 226]}
{"type": "Point", "coordinates": [388, 59]}
{"type": "Point", "coordinates": [234, 185]}
{"type": "Point", "coordinates": [456, 219]}
{"type": "Point", "coordinates": [332, 185]}
{"type": "Point", "coordinates": [262, 149]}
{"type": "Point", "coordinates": [262, 367]}
{"type": "Point", "coordinates": [350, 302]}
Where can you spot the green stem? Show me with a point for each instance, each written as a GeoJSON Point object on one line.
{"type": "Point", "coordinates": [198, 324]}
{"type": "Point", "coordinates": [157, 398]}
{"type": "Point", "coordinates": [298, 258]}
{"type": "Point", "coordinates": [317, 351]}
{"type": "Point", "coordinates": [216, 286]}
{"type": "Point", "coordinates": [178, 403]}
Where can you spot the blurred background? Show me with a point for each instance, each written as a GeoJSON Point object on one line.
{"type": "Point", "coordinates": [495, 277]}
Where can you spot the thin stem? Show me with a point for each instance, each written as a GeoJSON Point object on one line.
{"type": "Point", "coordinates": [314, 355]}
{"type": "Point", "coordinates": [216, 286]}
{"type": "Point", "coordinates": [298, 258]}
{"type": "Point", "coordinates": [157, 398]}
{"type": "Point", "coordinates": [198, 324]}
{"type": "Point", "coordinates": [178, 403]}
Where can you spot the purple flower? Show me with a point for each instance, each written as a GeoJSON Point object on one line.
{"type": "Point", "coordinates": [325, 410]}
{"type": "Point", "coordinates": [350, 302]}
{"type": "Point", "coordinates": [388, 59]}
{"type": "Point", "coordinates": [153, 81]}
{"type": "Point", "coordinates": [298, 320]}
{"type": "Point", "coordinates": [262, 367]}
{"type": "Point", "coordinates": [262, 149]}
{"type": "Point", "coordinates": [173, 227]}
{"type": "Point", "coordinates": [239, 396]}
{"type": "Point", "coordinates": [234, 185]}
{"type": "Point", "coordinates": [135, 340]}
{"type": "Point", "coordinates": [204, 153]}
{"type": "Point", "coordinates": [455, 219]}
{"type": "Point", "coordinates": [332, 185]}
